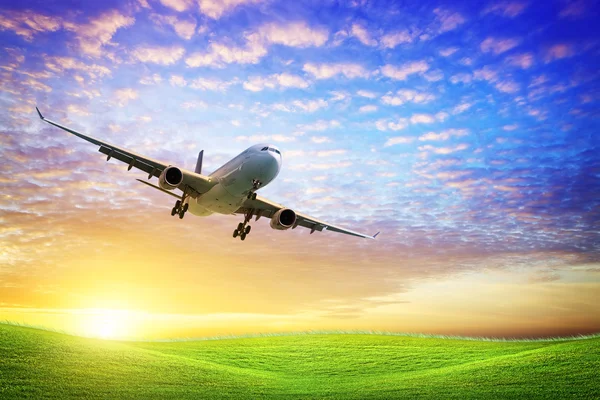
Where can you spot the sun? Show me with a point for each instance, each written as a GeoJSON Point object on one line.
{"type": "Point", "coordinates": [106, 324]}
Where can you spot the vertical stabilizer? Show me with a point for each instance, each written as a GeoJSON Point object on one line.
{"type": "Point", "coordinates": [198, 169]}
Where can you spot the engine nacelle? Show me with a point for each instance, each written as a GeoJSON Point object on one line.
{"type": "Point", "coordinates": [170, 178]}
{"type": "Point", "coordinates": [283, 219]}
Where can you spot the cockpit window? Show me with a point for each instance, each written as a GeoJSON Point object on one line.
{"type": "Point", "coordinates": [264, 149]}
{"type": "Point", "coordinates": [277, 151]}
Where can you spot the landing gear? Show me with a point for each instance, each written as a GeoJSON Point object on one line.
{"type": "Point", "coordinates": [243, 229]}
{"type": "Point", "coordinates": [255, 185]}
{"type": "Point", "coordinates": [178, 208]}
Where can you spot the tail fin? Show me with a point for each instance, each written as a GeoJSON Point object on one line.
{"type": "Point", "coordinates": [199, 163]}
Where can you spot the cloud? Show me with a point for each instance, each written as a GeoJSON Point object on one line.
{"type": "Point", "coordinates": [284, 80]}
{"type": "Point", "coordinates": [329, 70]}
{"type": "Point", "coordinates": [509, 9]}
{"type": "Point", "coordinates": [90, 36]}
{"type": "Point", "coordinates": [385, 124]}
{"type": "Point", "coordinates": [448, 20]}
{"type": "Point", "coordinates": [219, 55]}
{"type": "Point", "coordinates": [368, 108]}
{"type": "Point", "coordinates": [407, 95]}
{"type": "Point", "coordinates": [398, 140]}
{"type": "Point", "coordinates": [177, 80]}
{"type": "Point", "coordinates": [510, 127]}
{"type": "Point", "coordinates": [507, 86]}
{"type": "Point", "coordinates": [265, 138]}
{"type": "Point", "coordinates": [393, 39]}
{"type": "Point", "coordinates": [486, 74]}
{"type": "Point", "coordinates": [574, 9]}
{"type": "Point", "coordinates": [524, 60]}
{"type": "Point", "coordinates": [462, 78]}
{"type": "Point", "coordinates": [193, 105]}
{"type": "Point", "coordinates": [320, 139]}
{"type": "Point", "coordinates": [443, 150]}
{"type": "Point", "coordinates": [320, 125]}
{"type": "Point", "coordinates": [460, 108]}
{"type": "Point", "coordinates": [310, 105]}
{"type": "Point", "coordinates": [295, 34]}
{"type": "Point", "coordinates": [448, 51]}
{"type": "Point", "coordinates": [363, 35]}
{"type": "Point", "coordinates": [444, 135]}
{"type": "Point", "coordinates": [498, 46]}
{"type": "Point", "coordinates": [422, 119]}
{"type": "Point", "coordinates": [212, 84]}
{"type": "Point", "coordinates": [98, 31]}
{"type": "Point", "coordinates": [215, 9]}
{"type": "Point", "coordinates": [28, 24]}
{"type": "Point", "coordinates": [183, 27]}
{"type": "Point", "coordinates": [77, 109]}
{"type": "Point", "coordinates": [177, 5]}
{"type": "Point", "coordinates": [402, 72]}
{"type": "Point", "coordinates": [153, 79]}
{"type": "Point", "coordinates": [558, 51]}
{"type": "Point", "coordinates": [366, 93]}
{"type": "Point", "coordinates": [61, 64]}
{"type": "Point", "coordinates": [124, 96]}
{"type": "Point", "coordinates": [158, 55]}
{"type": "Point", "coordinates": [434, 76]}
{"type": "Point", "coordinates": [329, 153]}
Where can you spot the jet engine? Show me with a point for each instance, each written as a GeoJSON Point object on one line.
{"type": "Point", "coordinates": [283, 219]}
{"type": "Point", "coordinates": [170, 178]}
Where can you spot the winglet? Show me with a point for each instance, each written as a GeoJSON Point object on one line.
{"type": "Point", "coordinates": [375, 235]}
{"type": "Point", "coordinates": [39, 113]}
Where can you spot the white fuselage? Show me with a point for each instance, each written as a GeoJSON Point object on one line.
{"type": "Point", "coordinates": [235, 180]}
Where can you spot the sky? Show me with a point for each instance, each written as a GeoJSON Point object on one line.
{"type": "Point", "coordinates": [466, 132]}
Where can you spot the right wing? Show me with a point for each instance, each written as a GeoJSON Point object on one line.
{"type": "Point", "coordinates": [262, 207]}
{"type": "Point", "coordinates": [196, 182]}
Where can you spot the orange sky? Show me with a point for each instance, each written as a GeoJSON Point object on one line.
{"type": "Point", "coordinates": [115, 272]}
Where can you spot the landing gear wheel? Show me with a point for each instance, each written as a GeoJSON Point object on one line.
{"type": "Point", "coordinates": [173, 211]}
{"type": "Point", "coordinates": [181, 214]}
{"type": "Point", "coordinates": [240, 226]}
{"type": "Point", "coordinates": [185, 207]}
{"type": "Point", "coordinates": [253, 196]}
{"type": "Point", "coordinates": [247, 231]}
{"type": "Point", "coordinates": [177, 204]}
{"type": "Point", "coordinates": [243, 235]}
{"type": "Point", "coordinates": [235, 233]}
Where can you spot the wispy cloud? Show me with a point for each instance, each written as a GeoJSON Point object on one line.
{"type": "Point", "coordinates": [403, 71]}
{"type": "Point", "coordinates": [329, 70]}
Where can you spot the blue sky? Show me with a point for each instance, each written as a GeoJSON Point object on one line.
{"type": "Point", "coordinates": [460, 129]}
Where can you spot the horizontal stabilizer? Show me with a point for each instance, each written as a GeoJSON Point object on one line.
{"type": "Point", "coordinates": [159, 188]}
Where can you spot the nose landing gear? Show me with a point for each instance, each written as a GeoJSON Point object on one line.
{"type": "Point", "coordinates": [243, 229]}
{"type": "Point", "coordinates": [255, 185]}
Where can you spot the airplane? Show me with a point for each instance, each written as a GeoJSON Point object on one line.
{"type": "Point", "coordinates": [231, 189]}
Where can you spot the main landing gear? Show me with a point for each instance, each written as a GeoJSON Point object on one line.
{"type": "Point", "coordinates": [179, 209]}
{"type": "Point", "coordinates": [243, 229]}
{"type": "Point", "coordinates": [255, 185]}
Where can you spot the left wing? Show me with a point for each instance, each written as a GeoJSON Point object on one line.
{"type": "Point", "coordinates": [262, 207]}
{"type": "Point", "coordinates": [191, 180]}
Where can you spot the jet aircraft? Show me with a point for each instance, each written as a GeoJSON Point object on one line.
{"type": "Point", "coordinates": [231, 189]}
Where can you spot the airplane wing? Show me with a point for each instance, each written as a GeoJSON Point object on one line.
{"type": "Point", "coordinates": [262, 207]}
{"type": "Point", "coordinates": [195, 182]}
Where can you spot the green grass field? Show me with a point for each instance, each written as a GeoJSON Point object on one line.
{"type": "Point", "coordinates": [41, 364]}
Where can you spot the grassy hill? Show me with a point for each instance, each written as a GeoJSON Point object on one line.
{"type": "Point", "coordinates": [40, 364]}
